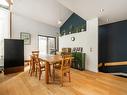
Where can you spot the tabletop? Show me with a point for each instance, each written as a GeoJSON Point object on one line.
{"type": "Point", "coordinates": [52, 58]}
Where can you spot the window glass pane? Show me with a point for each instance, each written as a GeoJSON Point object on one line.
{"type": "Point", "coordinates": [4, 28]}
{"type": "Point", "coordinates": [4, 2]}
{"type": "Point", "coordinates": [51, 45]}
{"type": "Point", "coordinates": [47, 45]}
{"type": "Point", "coordinates": [42, 45]}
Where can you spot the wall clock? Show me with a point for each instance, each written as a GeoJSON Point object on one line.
{"type": "Point", "coordinates": [73, 38]}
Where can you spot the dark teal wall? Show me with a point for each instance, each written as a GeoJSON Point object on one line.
{"type": "Point", "coordinates": [73, 24]}
{"type": "Point", "coordinates": [113, 44]}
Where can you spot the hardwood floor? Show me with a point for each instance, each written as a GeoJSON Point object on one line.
{"type": "Point", "coordinates": [83, 83]}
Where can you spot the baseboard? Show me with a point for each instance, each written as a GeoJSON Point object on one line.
{"type": "Point", "coordinates": [14, 70]}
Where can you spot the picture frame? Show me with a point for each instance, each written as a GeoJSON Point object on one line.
{"type": "Point", "coordinates": [26, 37]}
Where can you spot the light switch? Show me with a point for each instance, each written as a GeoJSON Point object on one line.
{"type": "Point", "coordinates": [91, 49]}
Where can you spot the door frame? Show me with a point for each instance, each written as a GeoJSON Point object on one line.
{"type": "Point", "coordinates": [47, 41]}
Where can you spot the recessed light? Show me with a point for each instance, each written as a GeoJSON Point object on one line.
{"type": "Point", "coordinates": [59, 22]}
{"type": "Point", "coordinates": [101, 10]}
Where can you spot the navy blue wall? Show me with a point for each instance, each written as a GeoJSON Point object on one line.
{"type": "Point", "coordinates": [75, 21]}
{"type": "Point", "coordinates": [113, 42]}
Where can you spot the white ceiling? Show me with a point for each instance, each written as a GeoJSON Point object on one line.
{"type": "Point", "coordinates": [46, 11]}
{"type": "Point", "coordinates": [114, 10]}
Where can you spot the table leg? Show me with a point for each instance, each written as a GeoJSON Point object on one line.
{"type": "Point", "coordinates": [47, 72]}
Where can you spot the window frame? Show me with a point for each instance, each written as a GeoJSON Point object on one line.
{"type": "Point", "coordinates": [4, 6]}
{"type": "Point", "coordinates": [55, 38]}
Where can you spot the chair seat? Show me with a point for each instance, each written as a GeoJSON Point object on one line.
{"type": "Point", "coordinates": [41, 65]}
{"type": "Point", "coordinates": [67, 67]}
{"type": "Point", "coordinates": [57, 66]}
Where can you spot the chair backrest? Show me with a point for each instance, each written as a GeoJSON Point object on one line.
{"type": "Point", "coordinates": [66, 63]}
{"type": "Point", "coordinates": [32, 65]}
{"type": "Point", "coordinates": [35, 52]}
{"type": "Point", "coordinates": [36, 60]}
{"type": "Point", "coordinates": [67, 56]}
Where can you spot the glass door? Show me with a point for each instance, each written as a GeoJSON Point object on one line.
{"type": "Point", "coordinates": [43, 45]}
{"type": "Point", "coordinates": [51, 45]}
{"type": "Point", "coordinates": [47, 45]}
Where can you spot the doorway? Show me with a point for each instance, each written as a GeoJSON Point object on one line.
{"type": "Point", "coordinates": [47, 45]}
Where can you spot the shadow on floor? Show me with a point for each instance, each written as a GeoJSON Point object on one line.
{"type": "Point", "coordinates": [4, 78]}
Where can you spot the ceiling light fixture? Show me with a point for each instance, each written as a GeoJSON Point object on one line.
{"type": "Point", "coordinates": [101, 10]}
{"type": "Point", "coordinates": [59, 22]}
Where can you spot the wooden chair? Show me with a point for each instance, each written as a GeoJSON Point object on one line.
{"type": "Point", "coordinates": [32, 66]}
{"type": "Point", "coordinates": [58, 64]}
{"type": "Point", "coordinates": [32, 62]}
{"type": "Point", "coordinates": [64, 68]}
{"type": "Point", "coordinates": [39, 65]}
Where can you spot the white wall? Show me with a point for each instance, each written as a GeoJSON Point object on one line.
{"type": "Point", "coordinates": [87, 40]}
{"type": "Point", "coordinates": [24, 24]}
{"type": "Point", "coordinates": [4, 28]}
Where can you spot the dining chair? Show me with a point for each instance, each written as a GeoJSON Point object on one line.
{"type": "Point", "coordinates": [32, 65]}
{"type": "Point", "coordinates": [32, 62]}
{"type": "Point", "coordinates": [64, 68]}
{"type": "Point", "coordinates": [39, 65]}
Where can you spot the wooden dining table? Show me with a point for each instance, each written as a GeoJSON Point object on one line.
{"type": "Point", "coordinates": [50, 60]}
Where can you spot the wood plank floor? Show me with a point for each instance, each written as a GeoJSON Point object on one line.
{"type": "Point", "coordinates": [83, 83]}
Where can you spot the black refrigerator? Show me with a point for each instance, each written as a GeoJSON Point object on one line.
{"type": "Point", "coordinates": [13, 55]}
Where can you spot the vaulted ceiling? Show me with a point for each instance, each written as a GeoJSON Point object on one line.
{"type": "Point", "coordinates": [107, 11]}
{"type": "Point", "coordinates": [46, 11]}
{"type": "Point", "coordinates": [50, 11]}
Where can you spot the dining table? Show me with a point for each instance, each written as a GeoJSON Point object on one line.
{"type": "Point", "coordinates": [50, 60]}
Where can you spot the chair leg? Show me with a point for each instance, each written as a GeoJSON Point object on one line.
{"type": "Point", "coordinates": [36, 72]}
{"type": "Point", "coordinates": [31, 72]}
{"type": "Point", "coordinates": [61, 79]}
{"type": "Point", "coordinates": [50, 71]}
{"type": "Point", "coordinates": [69, 77]}
{"type": "Point", "coordinates": [53, 74]}
{"type": "Point", "coordinates": [40, 72]}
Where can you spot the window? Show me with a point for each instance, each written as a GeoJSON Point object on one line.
{"type": "Point", "coordinates": [4, 3]}
{"type": "Point", "coordinates": [4, 24]}
{"type": "Point", "coordinates": [47, 45]}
